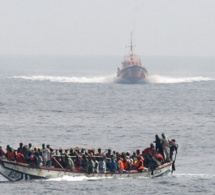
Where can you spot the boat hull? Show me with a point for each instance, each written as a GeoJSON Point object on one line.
{"type": "Point", "coordinates": [133, 74]}
{"type": "Point", "coordinates": [18, 171]}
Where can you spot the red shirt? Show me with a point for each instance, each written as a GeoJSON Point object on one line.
{"type": "Point", "coordinates": [149, 151]}
{"type": "Point", "coordinates": [20, 158]}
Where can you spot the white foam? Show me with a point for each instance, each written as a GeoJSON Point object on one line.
{"type": "Point", "coordinates": [101, 79]}
{"type": "Point", "coordinates": [78, 178]}
{"type": "Point", "coordinates": [166, 80]}
{"type": "Point", "coordinates": [156, 79]}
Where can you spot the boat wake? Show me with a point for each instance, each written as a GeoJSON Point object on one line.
{"type": "Point", "coordinates": [101, 79]}
{"type": "Point", "coordinates": [187, 175]}
{"type": "Point", "coordinates": [153, 79]}
{"type": "Point", "coordinates": [80, 178]}
{"type": "Point", "coordinates": [168, 80]}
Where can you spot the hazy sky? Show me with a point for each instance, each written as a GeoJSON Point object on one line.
{"type": "Point", "coordinates": [102, 27]}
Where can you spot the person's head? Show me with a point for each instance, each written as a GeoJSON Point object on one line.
{"type": "Point", "coordinates": [20, 144]}
{"type": "Point", "coordinates": [163, 135]}
{"type": "Point", "coordinates": [109, 151]}
{"type": "Point", "coordinates": [9, 149]}
{"type": "Point", "coordinates": [43, 146]}
{"type": "Point", "coordinates": [29, 145]}
{"type": "Point", "coordinates": [152, 145]}
{"type": "Point", "coordinates": [138, 151]}
{"type": "Point", "coordinates": [47, 146]}
{"type": "Point", "coordinates": [173, 142]}
{"type": "Point", "coordinates": [99, 150]}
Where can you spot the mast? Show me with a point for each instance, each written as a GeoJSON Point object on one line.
{"type": "Point", "coordinates": [131, 48]}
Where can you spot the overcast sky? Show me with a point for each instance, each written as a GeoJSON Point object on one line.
{"type": "Point", "coordinates": [102, 27]}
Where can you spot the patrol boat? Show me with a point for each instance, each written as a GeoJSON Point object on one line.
{"type": "Point", "coordinates": [132, 70]}
{"type": "Point", "coordinates": [14, 171]}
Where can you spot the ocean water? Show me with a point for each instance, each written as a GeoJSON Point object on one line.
{"type": "Point", "coordinates": [76, 101]}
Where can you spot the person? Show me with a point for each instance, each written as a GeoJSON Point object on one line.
{"type": "Point", "coordinates": [102, 165]}
{"type": "Point", "coordinates": [20, 157]}
{"type": "Point", "coordinates": [159, 157]}
{"type": "Point", "coordinates": [38, 159]}
{"type": "Point", "coordinates": [96, 165]}
{"type": "Point", "coordinates": [126, 164]}
{"type": "Point", "coordinates": [20, 148]}
{"type": "Point", "coordinates": [77, 163]}
{"type": "Point", "coordinates": [99, 153]}
{"type": "Point", "coordinates": [113, 166]}
{"type": "Point", "coordinates": [91, 165]}
{"type": "Point", "coordinates": [139, 164]}
{"type": "Point", "coordinates": [138, 152]}
{"type": "Point", "coordinates": [45, 154]}
{"type": "Point", "coordinates": [2, 153]}
{"type": "Point", "coordinates": [158, 145]}
{"type": "Point", "coordinates": [10, 154]}
{"type": "Point", "coordinates": [150, 151]}
{"type": "Point", "coordinates": [28, 158]}
{"type": "Point", "coordinates": [166, 147]}
{"type": "Point", "coordinates": [85, 164]}
{"type": "Point", "coordinates": [25, 151]}
{"type": "Point", "coordinates": [108, 154]}
{"type": "Point", "coordinates": [30, 148]}
{"type": "Point", "coordinates": [120, 165]}
{"type": "Point", "coordinates": [173, 147]}
{"type": "Point", "coordinates": [49, 156]}
{"type": "Point", "coordinates": [69, 164]}
{"type": "Point", "coordinates": [108, 159]}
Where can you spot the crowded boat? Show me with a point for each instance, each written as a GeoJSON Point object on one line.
{"type": "Point", "coordinates": [92, 160]}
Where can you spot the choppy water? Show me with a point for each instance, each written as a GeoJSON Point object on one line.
{"type": "Point", "coordinates": [69, 102]}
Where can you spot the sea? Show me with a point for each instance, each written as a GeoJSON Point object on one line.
{"type": "Point", "coordinates": [76, 101]}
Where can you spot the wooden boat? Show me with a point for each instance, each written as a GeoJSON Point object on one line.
{"type": "Point", "coordinates": [14, 171]}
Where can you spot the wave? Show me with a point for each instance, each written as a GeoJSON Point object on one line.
{"type": "Point", "coordinates": [153, 79]}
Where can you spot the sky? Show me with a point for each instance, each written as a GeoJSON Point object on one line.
{"type": "Point", "coordinates": [103, 27]}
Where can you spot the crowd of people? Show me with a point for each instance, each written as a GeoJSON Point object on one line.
{"type": "Point", "coordinates": [92, 161]}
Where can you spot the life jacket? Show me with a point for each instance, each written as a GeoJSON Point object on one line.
{"type": "Point", "coordinates": [11, 155]}
{"type": "Point", "coordinates": [125, 164]}
{"type": "Point", "coordinates": [20, 158]}
{"type": "Point", "coordinates": [121, 165]}
{"type": "Point", "coordinates": [159, 157]}
{"type": "Point", "coordinates": [140, 165]}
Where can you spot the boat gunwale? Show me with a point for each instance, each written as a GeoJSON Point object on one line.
{"type": "Point", "coordinates": [2, 161]}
